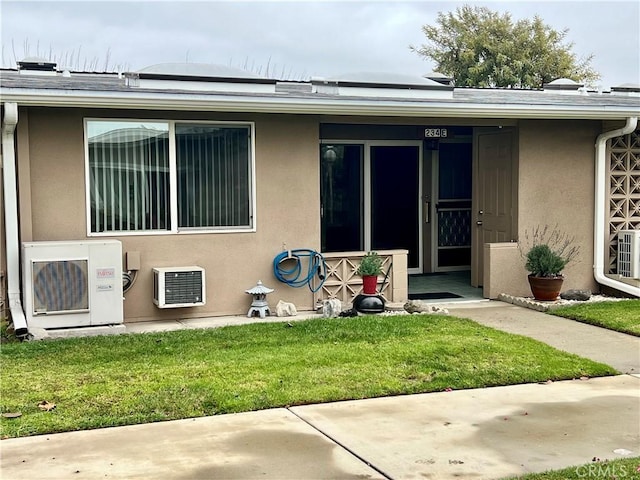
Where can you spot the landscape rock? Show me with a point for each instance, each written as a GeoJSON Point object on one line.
{"type": "Point", "coordinates": [394, 307]}
{"type": "Point", "coordinates": [285, 309]}
{"type": "Point", "coordinates": [578, 295]}
{"type": "Point", "coordinates": [331, 308]}
{"type": "Point", "coordinates": [419, 306]}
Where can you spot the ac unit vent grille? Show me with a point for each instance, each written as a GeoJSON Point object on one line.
{"type": "Point", "coordinates": [629, 253]}
{"type": "Point", "coordinates": [183, 287]}
{"type": "Point", "coordinates": [60, 286]}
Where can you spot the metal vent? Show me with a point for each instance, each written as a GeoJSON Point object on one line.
{"type": "Point", "coordinates": [36, 64]}
{"type": "Point", "coordinates": [629, 253]}
{"type": "Point", "coordinates": [182, 287]}
{"type": "Point", "coordinates": [60, 286]}
{"type": "Point", "coordinates": [178, 287]}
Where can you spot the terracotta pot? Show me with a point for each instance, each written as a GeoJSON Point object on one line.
{"type": "Point", "coordinates": [545, 288]}
{"type": "Point", "coordinates": [369, 284]}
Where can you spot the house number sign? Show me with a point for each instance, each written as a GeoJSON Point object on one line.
{"type": "Point", "coordinates": [435, 132]}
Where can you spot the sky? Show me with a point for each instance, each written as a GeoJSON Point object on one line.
{"type": "Point", "coordinates": [293, 40]}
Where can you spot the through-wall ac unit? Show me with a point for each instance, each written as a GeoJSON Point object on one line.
{"type": "Point", "coordinates": [629, 253]}
{"type": "Point", "coordinates": [179, 287]}
{"type": "Point", "coordinates": [72, 283]}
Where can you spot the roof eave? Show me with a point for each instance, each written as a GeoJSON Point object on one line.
{"type": "Point", "coordinates": [309, 106]}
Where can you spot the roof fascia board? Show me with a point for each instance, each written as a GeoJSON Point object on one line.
{"type": "Point", "coordinates": [352, 106]}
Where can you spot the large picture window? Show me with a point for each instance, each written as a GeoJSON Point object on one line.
{"type": "Point", "coordinates": [166, 176]}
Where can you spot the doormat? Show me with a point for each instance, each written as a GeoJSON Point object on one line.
{"type": "Point", "coordinates": [432, 295]}
{"type": "Point", "coordinates": [432, 274]}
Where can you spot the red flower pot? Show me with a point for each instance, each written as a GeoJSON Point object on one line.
{"type": "Point", "coordinates": [370, 284]}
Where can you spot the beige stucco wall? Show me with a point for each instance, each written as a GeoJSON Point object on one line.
{"type": "Point", "coordinates": [556, 187]}
{"type": "Point", "coordinates": [504, 271]}
{"type": "Point", "coordinates": [287, 190]}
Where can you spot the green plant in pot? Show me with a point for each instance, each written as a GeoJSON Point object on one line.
{"type": "Point", "coordinates": [370, 267]}
{"type": "Point", "coordinates": [549, 254]}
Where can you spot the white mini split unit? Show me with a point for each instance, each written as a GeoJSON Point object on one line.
{"type": "Point", "coordinates": [179, 287]}
{"type": "Point", "coordinates": [73, 283]}
{"type": "Point", "coordinates": [629, 253]}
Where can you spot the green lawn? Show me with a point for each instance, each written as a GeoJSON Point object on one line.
{"type": "Point", "coordinates": [137, 378]}
{"type": "Point", "coordinates": [623, 315]}
{"type": "Point", "coordinates": [620, 469]}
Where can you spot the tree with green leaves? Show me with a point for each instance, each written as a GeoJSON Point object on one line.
{"type": "Point", "coordinates": [482, 48]}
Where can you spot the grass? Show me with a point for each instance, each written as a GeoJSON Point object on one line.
{"type": "Point", "coordinates": [619, 469]}
{"type": "Point", "coordinates": [137, 378]}
{"type": "Point", "coordinates": [623, 316]}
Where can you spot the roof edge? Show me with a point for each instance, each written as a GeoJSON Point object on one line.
{"type": "Point", "coordinates": [313, 106]}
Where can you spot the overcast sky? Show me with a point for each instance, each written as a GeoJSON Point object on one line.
{"type": "Point", "coordinates": [296, 39]}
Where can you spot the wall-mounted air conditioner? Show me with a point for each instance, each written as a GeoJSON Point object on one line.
{"type": "Point", "coordinates": [629, 253]}
{"type": "Point", "coordinates": [72, 283]}
{"type": "Point", "coordinates": [179, 287]}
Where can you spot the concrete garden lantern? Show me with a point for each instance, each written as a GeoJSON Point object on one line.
{"type": "Point", "coordinates": [259, 305]}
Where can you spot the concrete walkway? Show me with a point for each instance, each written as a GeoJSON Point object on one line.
{"type": "Point", "coordinates": [481, 434]}
{"type": "Point", "coordinates": [619, 350]}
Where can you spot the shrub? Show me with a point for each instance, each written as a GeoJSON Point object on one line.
{"type": "Point", "coordinates": [371, 264]}
{"type": "Point", "coordinates": [550, 252]}
{"type": "Point", "coordinates": [543, 262]}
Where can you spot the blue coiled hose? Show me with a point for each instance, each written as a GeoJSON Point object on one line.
{"type": "Point", "coordinates": [287, 268]}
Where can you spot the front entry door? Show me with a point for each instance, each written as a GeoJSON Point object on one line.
{"type": "Point", "coordinates": [493, 212]}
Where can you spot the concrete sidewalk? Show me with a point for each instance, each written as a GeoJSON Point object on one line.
{"type": "Point", "coordinates": [481, 434]}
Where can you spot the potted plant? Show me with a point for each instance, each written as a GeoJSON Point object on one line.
{"type": "Point", "coordinates": [370, 267]}
{"type": "Point", "coordinates": [546, 259]}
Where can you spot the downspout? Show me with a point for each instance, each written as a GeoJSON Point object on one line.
{"type": "Point", "coordinates": [601, 209]}
{"type": "Point", "coordinates": [9, 122]}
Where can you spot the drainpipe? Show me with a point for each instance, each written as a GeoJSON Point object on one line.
{"type": "Point", "coordinates": [601, 209]}
{"type": "Point", "coordinates": [9, 122]}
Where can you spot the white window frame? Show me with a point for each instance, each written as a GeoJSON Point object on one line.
{"type": "Point", "coordinates": [173, 180]}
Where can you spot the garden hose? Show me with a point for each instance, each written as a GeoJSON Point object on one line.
{"type": "Point", "coordinates": [288, 268]}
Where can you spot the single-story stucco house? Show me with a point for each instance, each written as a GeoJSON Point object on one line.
{"type": "Point", "coordinates": [202, 173]}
